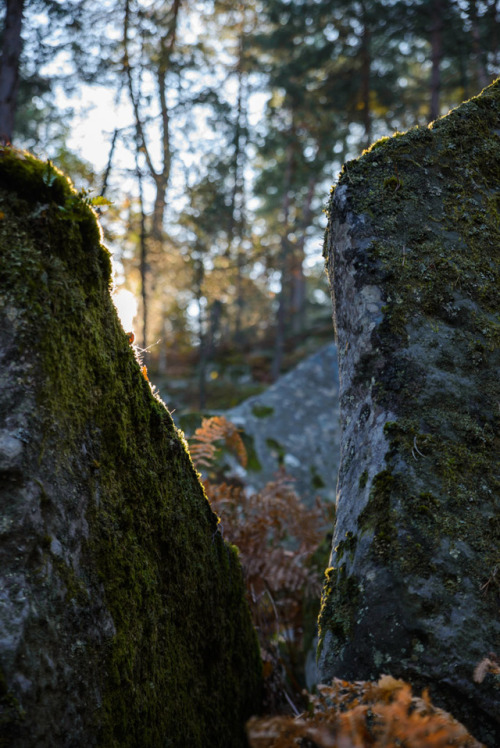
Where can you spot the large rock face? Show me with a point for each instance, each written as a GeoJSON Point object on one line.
{"type": "Point", "coordinates": [122, 612]}
{"type": "Point", "coordinates": [412, 253]}
{"type": "Point", "coordinates": [295, 425]}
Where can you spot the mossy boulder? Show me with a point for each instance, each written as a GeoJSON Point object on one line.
{"type": "Point", "coordinates": [123, 619]}
{"type": "Point", "coordinates": [294, 425]}
{"type": "Point", "coordinates": [412, 252]}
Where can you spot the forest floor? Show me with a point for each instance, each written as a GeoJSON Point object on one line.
{"type": "Point", "coordinates": [233, 373]}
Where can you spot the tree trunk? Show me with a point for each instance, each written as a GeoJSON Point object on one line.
{"type": "Point", "coordinates": [240, 300]}
{"type": "Point", "coordinates": [492, 14]}
{"type": "Point", "coordinates": [412, 588]}
{"type": "Point", "coordinates": [279, 341]}
{"type": "Point", "coordinates": [436, 56]}
{"type": "Point", "coordinates": [159, 176]}
{"type": "Point", "coordinates": [9, 67]}
{"type": "Point", "coordinates": [365, 79]}
{"type": "Point", "coordinates": [202, 363]}
{"type": "Point", "coordinates": [477, 47]}
{"type": "Point", "coordinates": [298, 280]}
{"type": "Point", "coordinates": [237, 214]}
{"type": "Point", "coordinates": [143, 259]}
{"type": "Point", "coordinates": [107, 172]}
{"type": "Point", "coordinates": [162, 178]}
{"type": "Point", "coordinates": [214, 329]}
{"type": "Point", "coordinates": [162, 351]}
{"type": "Point", "coordinates": [159, 206]}
{"type": "Point", "coordinates": [199, 275]}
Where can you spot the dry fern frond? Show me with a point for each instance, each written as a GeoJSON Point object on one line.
{"type": "Point", "coordinates": [203, 443]}
{"type": "Point", "coordinates": [285, 732]}
{"type": "Point", "coordinates": [235, 444]}
{"type": "Point", "coordinates": [277, 536]}
{"type": "Point", "coordinates": [364, 715]}
{"type": "Point", "coordinates": [487, 665]}
{"type": "Point", "coordinates": [275, 533]}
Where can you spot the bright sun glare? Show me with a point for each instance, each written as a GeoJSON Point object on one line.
{"type": "Point", "coordinates": [126, 306]}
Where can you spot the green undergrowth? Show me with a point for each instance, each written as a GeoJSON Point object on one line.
{"type": "Point", "coordinates": [182, 667]}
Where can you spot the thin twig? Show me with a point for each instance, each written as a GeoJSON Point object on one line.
{"type": "Point", "coordinates": [296, 711]}
{"type": "Point", "coordinates": [416, 449]}
{"type": "Point", "coordinates": [144, 350]}
{"type": "Point", "coordinates": [275, 611]}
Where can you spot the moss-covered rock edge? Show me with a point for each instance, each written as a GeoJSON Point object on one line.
{"type": "Point", "coordinates": [183, 664]}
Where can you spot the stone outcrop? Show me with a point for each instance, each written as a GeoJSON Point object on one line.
{"type": "Point", "coordinates": [122, 611]}
{"type": "Point", "coordinates": [294, 425]}
{"type": "Point", "coordinates": [412, 254]}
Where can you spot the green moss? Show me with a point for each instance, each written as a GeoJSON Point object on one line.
{"type": "Point", "coordinates": [460, 462]}
{"type": "Point", "coordinates": [339, 602]}
{"type": "Point", "coordinates": [34, 180]}
{"type": "Point", "coordinates": [183, 666]}
{"type": "Point", "coordinates": [253, 462]}
{"type": "Point", "coordinates": [379, 514]}
{"type": "Point", "coordinates": [436, 255]}
{"type": "Point", "coordinates": [363, 479]}
{"type": "Point", "coordinates": [317, 481]}
{"type": "Point", "coordinates": [44, 186]}
{"type": "Point", "coordinates": [277, 450]}
{"type": "Point", "coordinates": [392, 183]}
{"type": "Point", "coordinates": [381, 142]}
{"type": "Point", "coordinates": [378, 144]}
{"type": "Point", "coordinates": [432, 247]}
{"type": "Point", "coordinates": [75, 587]}
{"type": "Point", "coordinates": [262, 411]}
{"type": "Point", "coordinates": [346, 546]}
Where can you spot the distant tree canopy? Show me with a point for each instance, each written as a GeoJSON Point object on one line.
{"type": "Point", "coordinates": [238, 117]}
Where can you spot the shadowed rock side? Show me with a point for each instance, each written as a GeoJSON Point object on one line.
{"type": "Point", "coordinates": [122, 612]}
{"type": "Point", "coordinates": [294, 424]}
{"type": "Point", "coordinates": [412, 253]}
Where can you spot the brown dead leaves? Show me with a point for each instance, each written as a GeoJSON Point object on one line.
{"type": "Point", "coordinates": [363, 714]}
{"type": "Point", "coordinates": [277, 537]}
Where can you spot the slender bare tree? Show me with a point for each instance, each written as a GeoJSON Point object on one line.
{"type": "Point", "coordinates": [9, 67]}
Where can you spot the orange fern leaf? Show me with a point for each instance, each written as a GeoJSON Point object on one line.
{"type": "Point", "coordinates": [203, 443]}
{"type": "Point", "coordinates": [364, 715]}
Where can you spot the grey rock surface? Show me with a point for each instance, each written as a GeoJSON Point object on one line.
{"type": "Point", "coordinates": [413, 257]}
{"type": "Point", "coordinates": [295, 425]}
